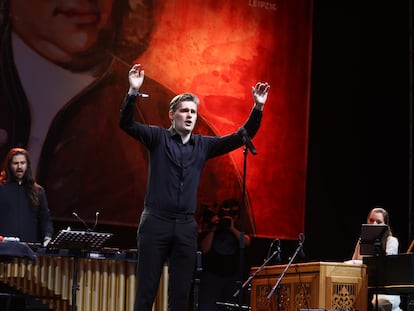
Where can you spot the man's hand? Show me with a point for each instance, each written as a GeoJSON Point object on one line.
{"type": "Point", "coordinates": [259, 92]}
{"type": "Point", "coordinates": [136, 77]}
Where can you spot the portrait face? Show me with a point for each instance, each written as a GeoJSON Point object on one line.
{"type": "Point", "coordinates": [62, 30]}
{"type": "Point", "coordinates": [185, 117]}
{"type": "Point", "coordinates": [18, 166]}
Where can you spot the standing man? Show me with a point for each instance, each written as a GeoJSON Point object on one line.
{"type": "Point", "coordinates": [168, 231]}
{"type": "Point", "coordinates": [23, 203]}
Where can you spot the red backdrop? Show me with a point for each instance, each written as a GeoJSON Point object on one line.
{"type": "Point", "coordinates": [218, 50]}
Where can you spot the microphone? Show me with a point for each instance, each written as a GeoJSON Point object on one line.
{"type": "Point", "coordinates": [247, 140]}
{"type": "Point", "coordinates": [81, 220]}
{"type": "Point", "coordinates": [278, 257]}
{"type": "Point", "coordinates": [142, 95]}
{"type": "Point", "coordinates": [270, 248]}
{"type": "Point", "coordinates": [96, 220]}
{"type": "Point", "coordinates": [276, 252]}
{"type": "Point", "coordinates": [301, 241]}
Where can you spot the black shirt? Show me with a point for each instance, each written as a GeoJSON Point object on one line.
{"type": "Point", "coordinates": [175, 168]}
{"type": "Point", "coordinates": [19, 218]}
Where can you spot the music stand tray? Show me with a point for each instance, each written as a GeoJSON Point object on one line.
{"type": "Point", "coordinates": [80, 240]}
{"type": "Point", "coordinates": [373, 239]}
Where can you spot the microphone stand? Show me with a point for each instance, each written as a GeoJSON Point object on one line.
{"type": "Point", "coordinates": [77, 253]}
{"type": "Point", "coordinates": [242, 224]}
{"type": "Point", "coordinates": [377, 253]}
{"type": "Point", "coordinates": [199, 269]}
{"type": "Point", "coordinates": [253, 275]}
{"type": "Point", "coordinates": [298, 249]}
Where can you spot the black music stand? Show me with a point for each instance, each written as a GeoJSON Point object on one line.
{"type": "Point", "coordinates": [373, 243]}
{"type": "Point", "coordinates": [78, 242]}
{"type": "Point", "coordinates": [373, 239]}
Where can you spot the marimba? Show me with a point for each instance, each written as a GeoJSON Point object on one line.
{"type": "Point", "coordinates": [106, 280]}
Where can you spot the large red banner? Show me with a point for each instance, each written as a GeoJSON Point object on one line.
{"type": "Point", "coordinates": [66, 110]}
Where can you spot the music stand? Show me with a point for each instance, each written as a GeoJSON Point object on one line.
{"type": "Point", "coordinates": [78, 242]}
{"type": "Point", "coordinates": [373, 243]}
{"type": "Point", "coordinates": [373, 239]}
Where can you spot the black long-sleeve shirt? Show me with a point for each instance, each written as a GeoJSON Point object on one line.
{"type": "Point", "coordinates": [19, 218]}
{"type": "Point", "coordinates": [175, 168]}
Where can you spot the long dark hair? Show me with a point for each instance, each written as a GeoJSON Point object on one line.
{"type": "Point", "coordinates": [28, 181]}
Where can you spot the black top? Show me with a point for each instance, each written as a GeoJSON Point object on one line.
{"type": "Point", "coordinates": [175, 168]}
{"type": "Point", "coordinates": [224, 256]}
{"type": "Point", "coordinates": [19, 218]}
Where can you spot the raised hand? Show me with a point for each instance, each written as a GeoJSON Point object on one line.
{"type": "Point", "coordinates": [259, 92]}
{"type": "Point", "coordinates": [136, 77]}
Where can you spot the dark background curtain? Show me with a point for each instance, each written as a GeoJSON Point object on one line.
{"type": "Point", "coordinates": [359, 123]}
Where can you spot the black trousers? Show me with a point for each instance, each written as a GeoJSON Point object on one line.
{"type": "Point", "coordinates": [165, 239]}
